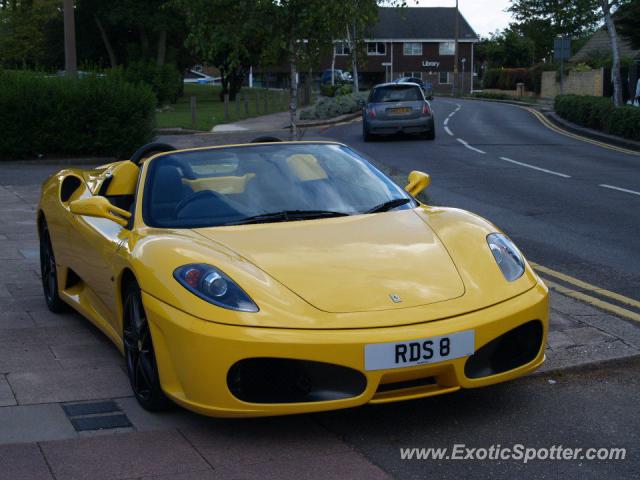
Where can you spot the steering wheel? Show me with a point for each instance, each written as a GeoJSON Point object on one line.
{"type": "Point", "coordinates": [149, 150]}
{"type": "Point", "coordinates": [185, 202]}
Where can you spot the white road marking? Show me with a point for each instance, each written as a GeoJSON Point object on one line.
{"type": "Point", "coordinates": [446, 120]}
{"type": "Point", "coordinates": [446, 129]}
{"type": "Point", "coordinates": [535, 168]}
{"type": "Point", "coordinates": [470, 147]}
{"type": "Point", "coordinates": [612, 187]}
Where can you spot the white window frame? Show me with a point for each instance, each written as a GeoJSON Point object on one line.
{"type": "Point", "coordinates": [376, 52]}
{"type": "Point", "coordinates": [409, 49]}
{"type": "Point", "coordinates": [446, 49]}
{"type": "Point", "coordinates": [342, 49]}
{"type": "Point", "coordinates": [412, 74]}
{"type": "Point", "coordinates": [448, 82]}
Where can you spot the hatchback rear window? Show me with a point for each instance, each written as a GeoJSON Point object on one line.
{"type": "Point", "coordinates": [396, 93]}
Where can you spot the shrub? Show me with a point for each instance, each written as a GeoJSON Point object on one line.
{"type": "Point", "coordinates": [336, 90]}
{"type": "Point", "coordinates": [599, 113]}
{"type": "Point", "coordinates": [333, 107]}
{"type": "Point", "coordinates": [506, 78]}
{"type": "Point", "coordinates": [57, 115]}
{"type": "Point", "coordinates": [165, 80]}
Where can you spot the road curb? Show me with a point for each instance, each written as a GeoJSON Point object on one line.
{"type": "Point", "coordinates": [590, 133]}
{"type": "Point", "coordinates": [329, 121]}
{"type": "Point", "coordinates": [495, 100]}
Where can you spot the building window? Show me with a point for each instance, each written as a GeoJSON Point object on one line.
{"type": "Point", "coordinates": [444, 78]}
{"type": "Point", "coordinates": [412, 48]}
{"type": "Point", "coordinates": [447, 48]}
{"type": "Point", "coordinates": [413, 75]}
{"type": "Point", "coordinates": [342, 48]}
{"type": "Point", "coordinates": [376, 48]}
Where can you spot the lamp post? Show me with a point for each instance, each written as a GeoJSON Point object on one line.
{"type": "Point", "coordinates": [464, 60]}
{"type": "Point", "coordinates": [456, 53]}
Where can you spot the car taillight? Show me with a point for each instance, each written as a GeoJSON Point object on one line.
{"type": "Point", "coordinates": [425, 109]}
{"type": "Point", "coordinates": [371, 112]}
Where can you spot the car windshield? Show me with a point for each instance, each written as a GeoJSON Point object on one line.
{"type": "Point", "coordinates": [396, 93]}
{"type": "Point", "coordinates": [265, 183]}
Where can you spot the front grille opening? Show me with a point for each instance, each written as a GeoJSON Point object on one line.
{"type": "Point", "coordinates": [418, 382]}
{"type": "Point", "coordinates": [511, 350]}
{"type": "Point", "coordinates": [280, 380]}
{"type": "Point", "coordinates": [72, 279]}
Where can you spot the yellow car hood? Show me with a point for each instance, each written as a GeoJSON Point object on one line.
{"type": "Point", "coordinates": [360, 263]}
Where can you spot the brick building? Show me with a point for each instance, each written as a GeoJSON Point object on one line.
{"type": "Point", "coordinates": [417, 42]}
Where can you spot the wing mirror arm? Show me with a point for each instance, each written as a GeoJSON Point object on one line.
{"type": "Point", "coordinates": [100, 207]}
{"type": "Point", "coordinates": [418, 181]}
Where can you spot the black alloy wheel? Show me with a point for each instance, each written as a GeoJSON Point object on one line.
{"type": "Point", "coordinates": [140, 357]}
{"type": "Point", "coordinates": [49, 272]}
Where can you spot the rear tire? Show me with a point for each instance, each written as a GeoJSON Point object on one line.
{"type": "Point", "coordinates": [430, 135]}
{"type": "Point", "coordinates": [140, 357]}
{"type": "Point", "coordinates": [49, 272]}
{"type": "Point", "coordinates": [366, 135]}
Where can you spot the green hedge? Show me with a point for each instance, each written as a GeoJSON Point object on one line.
{"type": "Point", "coordinates": [506, 78]}
{"type": "Point", "coordinates": [96, 115]}
{"type": "Point", "coordinates": [599, 113]}
{"type": "Point", "coordinates": [165, 81]}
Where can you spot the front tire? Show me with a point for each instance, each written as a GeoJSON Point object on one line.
{"type": "Point", "coordinates": [140, 358]}
{"type": "Point", "coordinates": [49, 272]}
{"type": "Point", "coordinates": [430, 135]}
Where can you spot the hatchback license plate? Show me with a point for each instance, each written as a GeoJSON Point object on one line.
{"type": "Point", "coordinates": [400, 110]}
{"type": "Point", "coordinates": [384, 356]}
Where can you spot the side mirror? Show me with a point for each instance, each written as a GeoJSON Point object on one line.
{"type": "Point", "coordinates": [361, 103]}
{"type": "Point", "coordinates": [101, 208]}
{"type": "Point", "coordinates": [418, 181]}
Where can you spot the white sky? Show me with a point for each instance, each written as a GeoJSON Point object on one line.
{"type": "Point", "coordinates": [484, 16]}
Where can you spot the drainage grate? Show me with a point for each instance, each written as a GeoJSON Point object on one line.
{"type": "Point", "coordinates": [91, 416]}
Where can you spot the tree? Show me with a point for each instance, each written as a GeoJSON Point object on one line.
{"type": "Point", "coordinates": [506, 48]}
{"type": "Point", "coordinates": [574, 18]}
{"type": "Point", "coordinates": [628, 22]}
{"type": "Point", "coordinates": [232, 35]}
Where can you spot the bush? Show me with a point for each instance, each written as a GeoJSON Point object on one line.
{"type": "Point", "coordinates": [333, 107]}
{"type": "Point", "coordinates": [599, 113]}
{"type": "Point", "coordinates": [336, 90]}
{"type": "Point", "coordinates": [56, 115]}
{"type": "Point", "coordinates": [506, 78]}
{"type": "Point", "coordinates": [165, 80]}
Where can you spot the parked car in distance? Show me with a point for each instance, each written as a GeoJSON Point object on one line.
{"type": "Point", "coordinates": [340, 76]}
{"type": "Point", "coordinates": [193, 76]}
{"type": "Point", "coordinates": [427, 88]}
{"type": "Point", "coordinates": [397, 108]}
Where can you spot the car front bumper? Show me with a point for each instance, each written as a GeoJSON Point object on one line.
{"type": "Point", "coordinates": [394, 126]}
{"type": "Point", "coordinates": [195, 358]}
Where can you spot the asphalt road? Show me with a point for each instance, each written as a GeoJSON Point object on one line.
{"type": "Point", "coordinates": [588, 409]}
{"type": "Point", "coordinates": [560, 217]}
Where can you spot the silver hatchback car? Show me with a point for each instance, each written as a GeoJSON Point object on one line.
{"type": "Point", "coordinates": [397, 108]}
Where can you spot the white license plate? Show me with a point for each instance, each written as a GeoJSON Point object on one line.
{"type": "Point", "coordinates": [383, 356]}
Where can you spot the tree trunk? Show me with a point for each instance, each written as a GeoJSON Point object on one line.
{"type": "Point", "coordinates": [162, 47]}
{"type": "Point", "coordinates": [144, 40]}
{"type": "Point", "coordinates": [353, 44]}
{"type": "Point", "coordinates": [615, 53]}
{"type": "Point", "coordinates": [333, 66]}
{"type": "Point", "coordinates": [293, 91]}
{"type": "Point", "coordinates": [107, 42]}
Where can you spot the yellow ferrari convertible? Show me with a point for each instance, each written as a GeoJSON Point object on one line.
{"type": "Point", "coordinates": [285, 277]}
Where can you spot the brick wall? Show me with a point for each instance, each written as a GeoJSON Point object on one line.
{"type": "Point", "coordinates": [577, 83]}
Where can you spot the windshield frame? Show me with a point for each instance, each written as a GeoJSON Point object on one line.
{"type": "Point", "coordinates": [143, 205]}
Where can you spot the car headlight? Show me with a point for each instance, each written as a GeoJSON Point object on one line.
{"type": "Point", "coordinates": [214, 286]}
{"type": "Point", "coordinates": [508, 257]}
